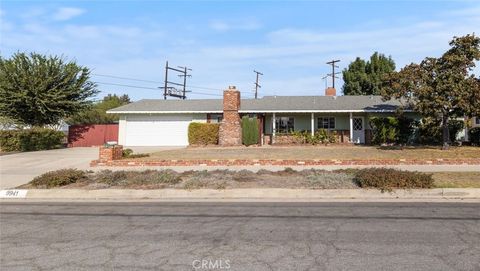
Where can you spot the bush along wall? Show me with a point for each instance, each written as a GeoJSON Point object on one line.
{"type": "Point", "coordinates": [474, 136]}
{"type": "Point", "coordinates": [34, 139]}
{"type": "Point", "coordinates": [430, 131]}
{"type": "Point", "coordinates": [249, 131]}
{"type": "Point", "coordinates": [203, 133]}
{"type": "Point", "coordinates": [321, 136]}
{"type": "Point", "coordinates": [392, 130]}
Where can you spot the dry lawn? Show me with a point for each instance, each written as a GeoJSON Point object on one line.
{"type": "Point", "coordinates": [457, 179]}
{"type": "Point", "coordinates": [315, 152]}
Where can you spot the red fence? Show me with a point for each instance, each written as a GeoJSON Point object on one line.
{"type": "Point", "coordinates": [91, 135]}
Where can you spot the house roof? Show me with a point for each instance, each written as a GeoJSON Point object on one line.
{"type": "Point", "coordinates": [265, 105]}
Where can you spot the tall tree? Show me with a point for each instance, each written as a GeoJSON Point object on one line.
{"type": "Point", "coordinates": [441, 88]}
{"type": "Point", "coordinates": [366, 77]}
{"type": "Point", "coordinates": [97, 114]}
{"type": "Point", "coordinates": [40, 90]}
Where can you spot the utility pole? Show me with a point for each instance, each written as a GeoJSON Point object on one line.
{"type": "Point", "coordinates": [166, 81]}
{"type": "Point", "coordinates": [184, 75]}
{"type": "Point", "coordinates": [172, 90]}
{"type": "Point", "coordinates": [256, 83]}
{"type": "Point", "coordinates": [326, 81]}
{"type": "Point", "coordinates": [333, 74]}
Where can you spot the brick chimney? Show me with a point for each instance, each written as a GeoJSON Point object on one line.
{"type": "Point", "coordinates": [230, 132]}
{"type": "Point", "coordinates": [330, 91]}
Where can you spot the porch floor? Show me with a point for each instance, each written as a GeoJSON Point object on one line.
{"type": "Point", "coordinates": [314, 152]}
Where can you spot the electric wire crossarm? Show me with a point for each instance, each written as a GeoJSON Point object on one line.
{"type": "Point", "coordinates": [333, 74]}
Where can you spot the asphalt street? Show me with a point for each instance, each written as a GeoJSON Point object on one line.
{"type": "Point", "coordinates": [240, 236]}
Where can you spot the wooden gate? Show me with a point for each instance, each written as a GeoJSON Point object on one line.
{"type": "Point", "coordinates": [91, 135]}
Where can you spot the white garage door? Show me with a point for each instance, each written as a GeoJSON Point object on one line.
{"type": "Point", "coordinates": [157, 130]}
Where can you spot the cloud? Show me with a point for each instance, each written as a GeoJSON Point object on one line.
{"type": "Point", "coordinates": [223, 26]}
{"type": "Point", "coordinates": [67, 13]}
{"type": "Point", "coordinates": [219, 26]}
{"type": "Point", "coordinates": [292, 58]}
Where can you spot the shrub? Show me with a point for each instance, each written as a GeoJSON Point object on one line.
{"type": "Point", "coordinates": [153, 177]}
{"type": "Point", "coordinates": [203, 133]}
{"type": "Point", "coordinates": [388, 178]}
{"type": "Point", "coordinates": [128, 153]}
{"type": "Point", "coordinates": [112, 177]}
{"type": "Point", "coordinates": [324, 136]}
{"type": "Point", "coordinates": [249, 131]}
{"type": "Point", "coordinates": [194, 184]}
{"type": "Point", "coordinates": [9, 140]}
{"type": "Point", "coordinates": [244, 176]}
{"type": "Point", "coordinates": [58, 178]}
{"type": "Point", "coordinates": [392, 130]}
{"type": "Point", "coordinates": [34, 139]}
{"type": "Point", "coordinates": [326, 179]}
{"type": "Point", "coordinates": [474, 135]}
{"type": "Point", "coordinates": [146, 177]}
{"type": "Point", "coordinates": [321, 136]}
{"type": "Point", "coordinates": [384, 130]}
{"type": "Point", "coordinates": [430, 131]}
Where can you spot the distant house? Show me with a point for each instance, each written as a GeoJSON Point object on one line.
{"type": "Point", "coordinates": [473, 123]}
{"type": "Point", "coordinates": [158, 122]}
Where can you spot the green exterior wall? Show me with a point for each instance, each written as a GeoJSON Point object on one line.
{"type": "Point", "coordinates": [302, 121]}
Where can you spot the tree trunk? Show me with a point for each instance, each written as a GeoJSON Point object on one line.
{"type": "Point", "coordinates": [445, 132]}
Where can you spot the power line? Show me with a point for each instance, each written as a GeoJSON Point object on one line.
{"type": "Point", "coordinates": [127, 78]}
{"type": "Point", "coordinates": [152, 88]}
{"type": "Point", "coordinates": [149, 81]}
{"type": "Point", "coordinates": [129, 86]}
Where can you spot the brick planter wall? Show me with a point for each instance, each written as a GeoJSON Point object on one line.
{"type": "Point", "coordinates": [110, 153]}
{"type": "Point", "coordinates": [281, 162]}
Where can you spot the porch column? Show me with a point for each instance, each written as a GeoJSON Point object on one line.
{"type": "Point", "coordinates": [351, 127]}
{"type": "Point", "coordinates": [274, 128]}
{"type": "Point", "coordinates": [312, 124]}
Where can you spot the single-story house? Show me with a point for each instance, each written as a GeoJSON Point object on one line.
{"type": "Point", "coordinates": [158, 122]}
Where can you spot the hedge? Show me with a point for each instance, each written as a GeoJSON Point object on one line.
{"type": "Point", "coordinates": [203, 133]}
{"type": "Point", "coordinates": [34, 139]}
{"type": "Point", "coordinates": [59, 178]}
{"type": "Point", "coordinates": [389, 178]}
{"type": "Point", "coordinates": [249, 131]}
{"type": "Point", "coordinates": [392, 130]}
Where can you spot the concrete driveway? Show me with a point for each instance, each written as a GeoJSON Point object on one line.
{"type": "Point", "coordinates": [20, 168]}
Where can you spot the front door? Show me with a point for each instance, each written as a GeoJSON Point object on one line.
{"type": "Point", "coordinates": [358, 130]}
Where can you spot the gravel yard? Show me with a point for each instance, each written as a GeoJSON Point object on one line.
{"type": "Point", "coordinates": [230, 179]}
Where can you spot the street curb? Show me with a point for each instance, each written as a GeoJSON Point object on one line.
{"type": "Point", "coordinates": [265, 194]}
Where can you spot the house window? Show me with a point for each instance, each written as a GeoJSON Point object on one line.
{"type": "Point", "coordinates": [215, 118]}
{"type": "Point", "coordinates": [326, 123]}
{"type": "Point", "coordinates": [284, 124]}
{"type": "Point", "coordinates": [477, 120]}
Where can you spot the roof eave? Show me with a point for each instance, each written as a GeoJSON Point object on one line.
{"type": "Point", "coordinates": [258, 111]}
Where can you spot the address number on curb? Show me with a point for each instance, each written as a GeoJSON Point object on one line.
{"type": "Point", "coordinates": [13, 193]}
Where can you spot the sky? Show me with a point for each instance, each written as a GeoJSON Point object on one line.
{"type": "Point", "coordinates": [223, 42]}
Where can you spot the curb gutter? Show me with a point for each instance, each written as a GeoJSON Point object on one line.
{"type": "Point", "coordinates": [274, 194]}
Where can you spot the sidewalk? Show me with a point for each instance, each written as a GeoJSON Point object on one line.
{"type": "Point", "coordinates": [254, 195]}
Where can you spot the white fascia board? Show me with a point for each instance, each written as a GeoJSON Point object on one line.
{"type": "Point", "coordinates": [319, 111]}
{"type": "Point", "coordinates": [162, 112]}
